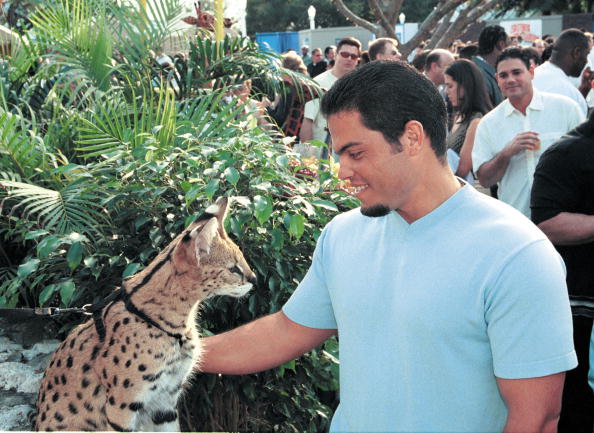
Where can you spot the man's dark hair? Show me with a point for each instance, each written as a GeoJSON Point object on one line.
{"type": "Point", "coordinates": [489, 38]}
{"type": "Point", "coordinates": [533, 54]}
{"type": "Point", "coordinates": [513, 53]}
{"type": "Point", "coordinates": [327, 50]}
{"type": "Point", "coordinates": [468, 51]}
{"type": "Point", "coordinates": [379, 45]}
{"type": "Point", "coordinates": [470, 79]}
{"type": "Point", "coordinates": [388, 94]}
{"type": "Point", "coordinates": [546, 54]}
{"type": "Point", "coordinates": [570, 39]}
{"type": "Point", "coordinates": [364, 58]}
{"type": "Point", "coordinates": [420, 59]}
{"type": "Point", "coordinates": [348, 41]}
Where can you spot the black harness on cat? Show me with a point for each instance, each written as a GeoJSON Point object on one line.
{"type": "Point", "coordinates": [121, 295]}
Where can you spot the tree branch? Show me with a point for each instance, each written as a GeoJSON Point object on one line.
{"type": "Point", "coordinates": [442, 8]}
{"type": "Point", "coordinates": [441, 30]}
{"type": "Point", "coordinates": [386, 25]}
{"type": "Point", "coordinates": [393, 10]}
{"type": "Point", "coordinates": [465, 19]}
{"type": "Point", "coordinates": [349, 15]}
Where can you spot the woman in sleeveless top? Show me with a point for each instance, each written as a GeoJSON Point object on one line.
{"type": "Point", "coordinates": [467, 92]}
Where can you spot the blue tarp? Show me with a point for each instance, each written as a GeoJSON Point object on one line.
{"type": "Point", "coordinates": [279, 41]}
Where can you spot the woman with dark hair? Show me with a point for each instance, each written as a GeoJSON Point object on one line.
{"type": "Point", "coordinates": [467, 92]}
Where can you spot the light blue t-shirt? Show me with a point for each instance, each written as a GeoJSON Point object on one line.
{"type": "Point", "coordinates": [429, 313]}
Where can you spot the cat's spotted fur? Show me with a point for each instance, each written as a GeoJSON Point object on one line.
{"type": "Point", "coordinates": [126, 369]}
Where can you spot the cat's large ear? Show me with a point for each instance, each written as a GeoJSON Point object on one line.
{"type": "Point", "coordinates": [204, 237]}
{"type": "Point", "coordinates": [219, 210]}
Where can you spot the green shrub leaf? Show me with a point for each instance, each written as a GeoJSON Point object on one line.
{"type": "Point", "coordinates": [74, 255]}
{"type": "Point", "coordinates": [28, 268]}
{"type": "Point", "coordinates": [262, 208]}
{"type": "Point", "coordinates": [47, 246]}
{"type": "Point", "coordinates": [131, 269]}
{"type": "Point", "coordinates": [232, 175]}
{"type": "Point", "coordinates": [47, 293]}
{"type": "Point", "coordinates": [296, 225]}
{"type": "Point", "coordinates": [66, 291]}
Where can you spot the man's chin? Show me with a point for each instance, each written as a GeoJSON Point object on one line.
{"type": "Point", "coordinates": [378, 210]}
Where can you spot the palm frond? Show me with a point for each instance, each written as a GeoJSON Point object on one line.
{"type": "Point", "coordinates": [73, 208]}
{"type": "Point", "coordinates": [140, 31]}
{"type": "Point", "coordinates": [209, 116]}
{"type": "Point", "coordinates": [21, 150]}
{"type": "Point", "coordinates": [235, 60]}
{"type": "Point", "coordinates": [78, 43]}
{"type": "Point", "coordinates": [116, 126]}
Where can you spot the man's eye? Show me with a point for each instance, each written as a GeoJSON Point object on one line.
{"type": "Point", "coordinates": [355, 155]}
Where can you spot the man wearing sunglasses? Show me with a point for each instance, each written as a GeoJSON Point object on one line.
{"type": "Point", "coordinates": [314, 124]}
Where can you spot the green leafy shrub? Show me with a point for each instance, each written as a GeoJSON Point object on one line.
{"type": "Point", "coordinates": [101, 167]}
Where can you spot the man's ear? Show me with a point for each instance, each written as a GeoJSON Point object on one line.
{"type": "Point", "coordinates": [413, 137]}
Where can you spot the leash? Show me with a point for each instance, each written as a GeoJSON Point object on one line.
{"type": "Point", "coordinates": [94, 310]}
{"type": "Point", "coordinates": [28, 313]}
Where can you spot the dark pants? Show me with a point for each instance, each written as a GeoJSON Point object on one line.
{"type": "Point", "coordinates": [577, 410]}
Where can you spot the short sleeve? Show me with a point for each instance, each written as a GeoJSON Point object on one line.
{"type": "Point", "coordinates": [481, 151]}
{"type": "Point", "coordinates": [312, 108]}
{"type": "Point", "coordinates": [555, 185]}
{"type": "Point", "coordinates": [310, 305]}
{"type": "Point", "coordinates": [528, 315]}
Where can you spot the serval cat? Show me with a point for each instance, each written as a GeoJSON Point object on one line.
{"type": "Point", "coordinates": [125, 369]}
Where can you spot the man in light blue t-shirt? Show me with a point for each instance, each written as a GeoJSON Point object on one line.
{"type": "Point", "coordinates": [451, 307]}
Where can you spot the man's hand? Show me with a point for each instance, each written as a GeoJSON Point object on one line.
{"type": "Point", "coordinates": [523, 141]}
{"type": "Point", "coordinates": [586, 82]}
{"type": "Point", "coordinates": [492, 171]}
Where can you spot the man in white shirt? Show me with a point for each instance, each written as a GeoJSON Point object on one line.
{"type": "Point", "coordinates": [510, 139]}
{"type": "Point", "coordinates": [348, 52]}
{"type": "Point", "coordinates": [569, 57]}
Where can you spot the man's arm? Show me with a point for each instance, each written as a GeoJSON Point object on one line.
{"type": "Point", "coordinates": [262, 344]}
{"type": "Point", "coordinates": [568, 228]}
{"type": "Point", "coordinates": [492, 171]}
{"type": "Point", "coordinates": [306, 132]}
{"type": "Point", "coordinates": [533, 404]}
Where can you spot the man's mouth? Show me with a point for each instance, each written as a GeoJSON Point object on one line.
{"type": "Point", "coordinates": [357, 189]}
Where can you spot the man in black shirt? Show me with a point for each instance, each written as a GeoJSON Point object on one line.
{"type": "Point", "coordinates": [562, 205]}
{"type": "Point", "coordinates": [318, 63]}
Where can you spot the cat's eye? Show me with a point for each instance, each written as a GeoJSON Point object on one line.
{"type": "Point", "coordinates": [236, 270]}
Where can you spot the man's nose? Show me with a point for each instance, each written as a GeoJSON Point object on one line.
{"type": "Point", "coordinates": [344, 171]}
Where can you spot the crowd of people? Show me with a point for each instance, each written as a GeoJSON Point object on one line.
{"type": "Point", "coordinates": [454, 311]}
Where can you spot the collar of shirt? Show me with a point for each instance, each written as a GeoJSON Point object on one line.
{"type": "Point", "coordinates": [536, 103]}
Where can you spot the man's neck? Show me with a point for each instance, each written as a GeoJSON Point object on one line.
{"type": "Point", "coordinates": [521, 104]}
{"type": "Point", "coordinates": [338, 73]}
{"type": "Point", "coordinates": [490, 58]}
{"type": "Point", "coordinates": [439, 184]}
{"type": "Point", "coordinates": [559, 64]}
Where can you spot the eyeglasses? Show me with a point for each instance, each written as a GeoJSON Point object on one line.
{"type": "Point", "coordinates": [347, 55]}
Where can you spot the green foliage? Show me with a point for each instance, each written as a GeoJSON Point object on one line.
{"type": "Point", "coordinates": [105, 156]}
